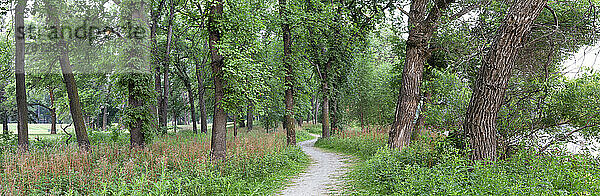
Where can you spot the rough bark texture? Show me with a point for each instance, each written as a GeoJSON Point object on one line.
{"type": "Point", "coordinates": [134, 100]}
{"type": "Point", "coordinates": [69, 80]}
{"type": "Point", "coordinates": [136, 138]}
{"type": "Point", "coordinates": [493, 76]}
{"type": "Point", "coordinates": [325, 107]}
{"type": "Point", "coordinates": [289, 76]}
{"type": "Point", "coordinates": [219, 128]}
{"type": "Point", "coordinates": [422, 25]}
{"type": "Point", "coordinates": [21, 94]}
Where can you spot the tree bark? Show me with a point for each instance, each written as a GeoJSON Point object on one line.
{"type": "Point", "coordinates": [422, 24]}
{"type": "Point", "coordinates": [201, 92]}
{"type": "Point", "coordinates": [165, 94]}
{"type": "Point", "coordinates": [69, 80]}
{"type": "Point", "coordinates": [188, 86]}
{"type": "Point", "coordinates": [289, 76]}
{"type": "Point", "coordinates": [21, 94]}
{"type": "Point", "coordinates": [493, 76]}
{"type": "Point", "coordinates": [316, 109]}
{"type": "Point", "coordinates": [325, 128]}
{"type": "Point", "coordinates": [137, 16]}
{"type": "Point", "coordinates": [218, 149]}
{"type": "Point", "coordinates": [155, 14]}
{"type": "Point", "coordinates": [52, 112]}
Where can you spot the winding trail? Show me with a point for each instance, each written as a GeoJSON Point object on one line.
{"type": "Point", "coordinates": [322, 176]}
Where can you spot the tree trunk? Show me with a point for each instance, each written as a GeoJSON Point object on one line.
{"type": "Point", "coordinates": [21, 95]}
{"type": "Point", "coordinates": [218, 149]}
{"type": "Point", "coordinates": [325, 107]}
{"type": "Point", "coordinates": [155, 14]}
{"type": "Point", "coordinates": [493, 77]}
{"type": "Point", "coordinates": [250, 116]}
{"type": "Point", "coordinates": [135, 89]}
{"type": "Point", "coordinates": [335, 127]}
{"type": "Point", "coordinates": [289, 76]}
{"type": "Point", "coordinates": [52, 112]}
{"type": "Point", "coordinates": [192, 106]}
{"type": "Point", "coordinates": [422, 26]}
{"type": "Point", "coordinates": [165, 94]}
{"type": "Point", "coordinates": [69, 80]}
{"type": "Point", "coordinates": [316, 109]}
{"type": "Point", "coordinates": [201, 92]}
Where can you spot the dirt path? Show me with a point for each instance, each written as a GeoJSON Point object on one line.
{"type": "Point", "coordinates": [321, 176]}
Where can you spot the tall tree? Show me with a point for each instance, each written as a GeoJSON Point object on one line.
{"type": "Point", "coordinates": [163, 108]}
{"type": "Point", "coordinates": [201, 92]}
{"type": "Point", "coordinates": [155, 16]}
{"type": "Point", "coordinates": [136, 81]}
{"type": "Point", "coordinates": [21, 94]}
{"type": "Point", "coordinates": [493, 76]}
{"type": "Point", "coordinates": [218, 149]}
{"type": "Point", "coordinates": [289, 76]}
{"type": "Point", "coordinates": [422, 24]}
{"type": "Point", "coordinates": [69, 80]}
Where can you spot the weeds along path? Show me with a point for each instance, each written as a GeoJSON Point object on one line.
{"type": "Point", "coordinates": [322, 176]}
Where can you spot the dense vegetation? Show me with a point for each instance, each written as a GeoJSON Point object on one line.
{"type": "Point", "coordinates": [211, 96]}
{"type": "Point", "coordinates": [430, 166]}
{"type": "Point", "coordinates": [259, 163]}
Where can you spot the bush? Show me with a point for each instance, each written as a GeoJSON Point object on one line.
{"type": "Point", "coordinates": [436, 168]}
{"type": "Point", "coordinates": [361, 144]}
{"type": "Point", "coordinates": [303, 135]}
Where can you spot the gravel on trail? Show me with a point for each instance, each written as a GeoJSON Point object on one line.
{"type": "Point", "coordinates": [322, 177]}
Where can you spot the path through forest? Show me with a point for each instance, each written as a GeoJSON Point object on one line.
{"type": "Point", "coordinates": [322, 176]}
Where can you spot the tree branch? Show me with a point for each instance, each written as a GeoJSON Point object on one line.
{"type": "Point", "coordinates": [565, 136]}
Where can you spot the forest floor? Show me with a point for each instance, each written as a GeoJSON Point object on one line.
{"type": "Point", "coordinates": [322, 177]}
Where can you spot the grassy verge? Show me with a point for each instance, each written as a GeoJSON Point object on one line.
{"type": "Point", "coordinates": [178, 164]}
{"type": "Point", "coordinates": [430, 167]}
{"type": "Point", "coordinates": [312, 128]}
{"type": "Point", "coordinates": [303, 135]}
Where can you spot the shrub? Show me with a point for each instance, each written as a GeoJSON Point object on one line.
{"type": "Point", "coordinates": [257, 163]}
{"type": "Point", "coordinates": [430, 166]}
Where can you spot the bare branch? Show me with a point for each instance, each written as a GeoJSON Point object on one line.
{"type": "Point", "coordinates": [565, 136]}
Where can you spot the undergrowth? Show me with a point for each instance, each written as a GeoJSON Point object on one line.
{"type": "Point", "coordinates": [177, 164]}
{"type": "Point", "coordinates": [430, 166]}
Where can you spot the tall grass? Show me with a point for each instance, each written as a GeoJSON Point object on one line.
{"type": "Point", "coordinates": [177, 164]}
{"type": "Point", "coordinates": [431, 166]}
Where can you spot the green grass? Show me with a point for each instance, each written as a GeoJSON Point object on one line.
{"type": "Point", "coordinates": [312, 128]}
{"type": "Point", "coordinates": [303, 135]}
{"type": "Point", "coordinates": [433, 167]}
{"type": "Point", "coordinates": [258, 163]}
